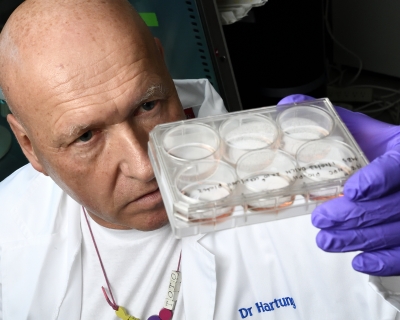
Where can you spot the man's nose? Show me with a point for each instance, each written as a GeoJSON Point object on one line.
{"type": "Point", "coordinates": [133, 159]}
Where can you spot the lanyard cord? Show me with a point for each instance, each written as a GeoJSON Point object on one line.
{"type": "Point", "coordinates": [111, 303]}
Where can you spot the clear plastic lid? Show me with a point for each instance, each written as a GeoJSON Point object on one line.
{"type": "Point", "coordinates": [251, 166]}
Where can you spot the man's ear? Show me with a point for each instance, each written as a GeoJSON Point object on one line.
{"type": "Point", "coordinates": [25, 143]}
{"type": "Point", "coordinates": [159, 46]}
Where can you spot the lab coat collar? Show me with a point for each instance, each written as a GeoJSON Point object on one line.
{"type": "Point", "coordinates": [199, 280]}
{"type": "Point", "coordinates": [44, 247]}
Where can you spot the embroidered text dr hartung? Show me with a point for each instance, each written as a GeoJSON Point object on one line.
{"type": "Point", "coordinates": [267, 306]}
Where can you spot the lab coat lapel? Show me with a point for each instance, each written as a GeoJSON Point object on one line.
{"type": "Point", "coordinates": [199, 282]}
{"type": "Point", "coordinates": [44, 249]}
{"type": "Point", "coordinates": [72, 301]}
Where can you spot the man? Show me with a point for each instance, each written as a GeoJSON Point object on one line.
{"type": "Point", "coordinates": [86, 83]}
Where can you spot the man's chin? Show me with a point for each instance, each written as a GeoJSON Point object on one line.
{"type": "Point", "coordinates": [153, 226]}
{"type": "Point", "coordinates": [144, 221]}
{"type": "Point", "coordinates": [150, 221]}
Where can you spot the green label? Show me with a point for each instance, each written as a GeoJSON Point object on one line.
{"type": "Point", "coordinates": [149, 18]}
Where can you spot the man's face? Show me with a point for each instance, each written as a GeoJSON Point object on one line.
{"type": "Point", "coordinates": [91, 133]}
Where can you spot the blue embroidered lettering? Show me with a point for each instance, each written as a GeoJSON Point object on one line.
{"type": "Point", "coordinates": [271, 304]}
{"type": "Point", "coordinates": [267, 307]}
{"type": "Point", "coordinates": [280, 302]}
{"type": "Point", "coordinates": [245, 312]}
{"type": "Point", "coordinates": [260, 307]}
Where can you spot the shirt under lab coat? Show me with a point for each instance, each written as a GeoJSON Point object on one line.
{"type": "Point", "coordinates": [272, 270]}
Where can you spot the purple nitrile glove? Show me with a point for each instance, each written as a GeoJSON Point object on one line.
{"type": "Point", "coordinates": [367, 217]}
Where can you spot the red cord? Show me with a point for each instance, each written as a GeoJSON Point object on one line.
{"type": "Point", "coordinates": [112, 304]}
{"type": "Point", "coordinates": [179, 262]}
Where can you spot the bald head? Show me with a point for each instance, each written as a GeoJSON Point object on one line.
{"type": "Point", "coordinates": [87, 83]}
{"type": "Point", "coordinates": [46, 44]}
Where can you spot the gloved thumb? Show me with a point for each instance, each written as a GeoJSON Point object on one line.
{"type": "Point", "coordinates": [378, 179]}
{"type": "Point", "coordinates": [373, 136]}
{"type": "Point", "coordinates": [295, 98]}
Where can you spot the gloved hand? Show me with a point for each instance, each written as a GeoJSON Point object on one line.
{"type": "Point", "coordinates": [367, 217]}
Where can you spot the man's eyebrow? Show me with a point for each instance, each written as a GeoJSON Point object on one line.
{"type": "Point", "coordinates": [72, 131]}
{"type": "Point", "coordinates": [156, 90]}
{"type": "Point", "coordinates": [75, 129]}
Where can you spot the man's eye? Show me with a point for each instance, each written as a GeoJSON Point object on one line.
{"type": "Point", "coordinates": [147, 106]}
{"type": "Point", "coordinates": [86, 136]}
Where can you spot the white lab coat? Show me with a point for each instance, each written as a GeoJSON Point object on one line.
{"type": "Point", "coordinates": [267, 271]}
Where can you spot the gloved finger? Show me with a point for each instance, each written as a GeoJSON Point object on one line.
{"type": "Point", "coordinates": [379, 263]}
{"type": "Point", "coordinates": [373, 136]}
{"type": "Point", "coordinates": [364, 239]}
{"type": "Point", "coordinates": [379, 178]}
{"type": "Point", "coordinates": [295, 98]}
{"type": "Point", "coordinates": [342, 213]}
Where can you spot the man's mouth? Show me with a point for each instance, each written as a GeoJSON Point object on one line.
{"type": "Point", "coordinates": [150, 199]}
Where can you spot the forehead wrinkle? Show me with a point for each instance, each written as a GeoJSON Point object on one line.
{"type": "Point", "coordinates": [78, 72]}
{"type": "Point", "coordinates": [82, 91]}
{"type": "Point", "coordinates": [76, 128]}
{"type": "Point", "coordinates": [153, 90]}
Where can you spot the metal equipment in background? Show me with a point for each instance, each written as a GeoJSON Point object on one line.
{"type": "Point", "coordinates": [193, 41]}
